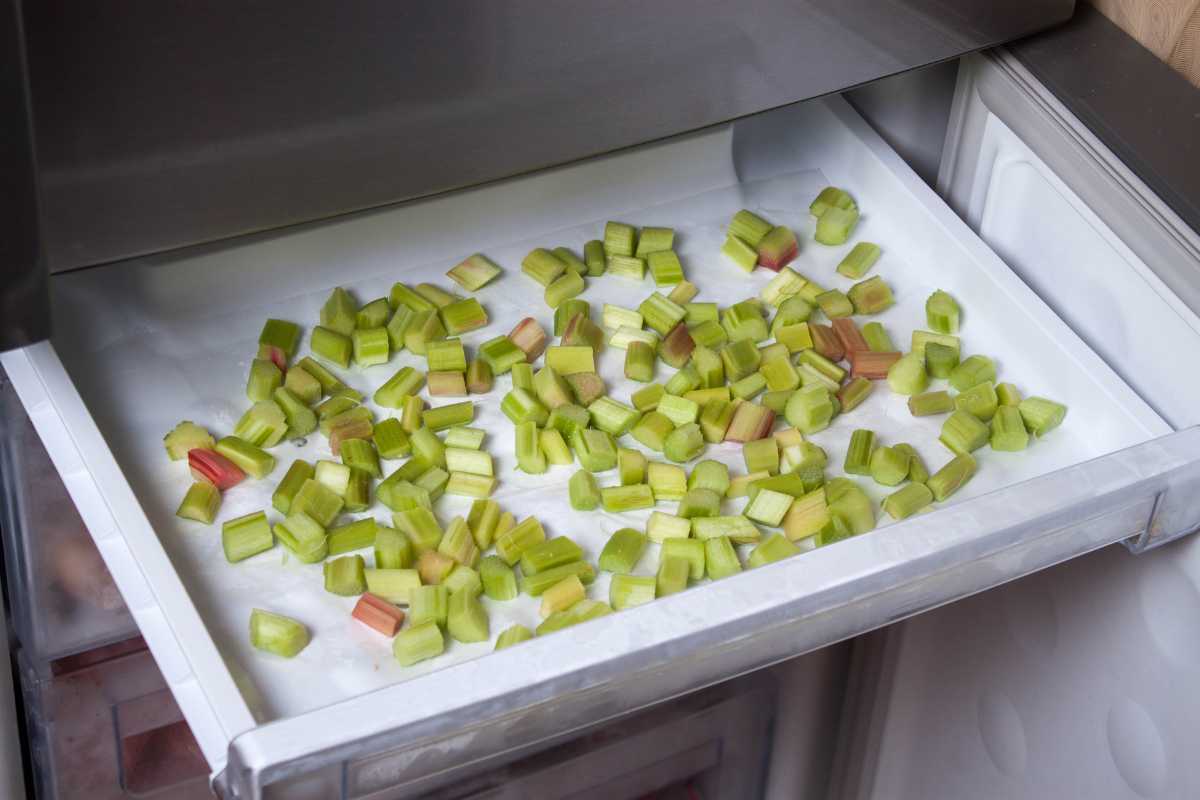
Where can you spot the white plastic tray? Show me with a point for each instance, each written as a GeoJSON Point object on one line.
{"type": "Point", "coordinates": [152, 342]}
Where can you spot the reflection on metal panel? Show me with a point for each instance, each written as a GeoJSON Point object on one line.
{"type": "Point", "coordinates": [165, 123]}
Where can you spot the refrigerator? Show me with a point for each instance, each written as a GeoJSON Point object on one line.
{"type": "Point", "coordinates": [178, 176]}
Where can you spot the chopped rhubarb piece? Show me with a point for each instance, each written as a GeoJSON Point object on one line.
{"type": "Point", "coordinates": [750, 422]}
{"type": "Point", "coordinates": [208, 465]}
{"type": "Point", "coordinates": [377, 613]}
{"type": "Point", "coordinates": [677, 346]}
{"type": "Point", "coordinates": [275, 354]}
{"type": "Point", "coordinates": [870, 365]}
{"type": "Point", "coordinates": [826, 342]}
{"type": "Point", "coordinates": [350, 429]}
{"type": "Point", "coordinates": [778, 248]}
{"type": "Point", "coordinates": [530, 337]}
{"type": "Point", "coordinates": [850, 336]}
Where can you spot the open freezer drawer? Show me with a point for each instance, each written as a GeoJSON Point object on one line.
{"type": "Point", "coordinates": [143, 344]}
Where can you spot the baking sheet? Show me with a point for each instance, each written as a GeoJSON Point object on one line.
{"type": "Point", "coordinates": [144, 356]}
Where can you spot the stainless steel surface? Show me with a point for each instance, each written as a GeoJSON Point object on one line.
{"type": "Point", "coordinates": [163, 124]}
{"type": "Point", "coordinates": [24, 304]}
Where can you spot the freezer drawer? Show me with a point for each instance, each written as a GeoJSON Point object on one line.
{"type": "Point", "coordinates": [102, 725]}
{"type": "Point", "coordinates": [61, 598]}
{"type": "Point", "coordinates": [146, 343]}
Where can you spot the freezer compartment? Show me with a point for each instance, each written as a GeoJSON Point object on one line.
{"type": "Point", "coordinates": [61, 598]}
{"type": "Point", "coordinates": [102, 725]}
{"type": "Point", "coordinates": [147, 343]}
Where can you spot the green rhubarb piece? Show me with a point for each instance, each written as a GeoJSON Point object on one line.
{"type": "Point", "coordinates": [435, 294]}
{"type": "Point", "coordinates": [595, 450]}
{"type": "Point", "coordinates": [254, 461]}
{"type": "Point", "coordinates": [631, 465]}
{"type": "Point", "coordinates": [646, 398]}
{"type": "Point", "coordinates": [779, 375]}
{"type": "Point", "coordinates": [352, 536]}
{"type": "Point", "coordinates": [709, 334]}
{"type": "Point", "coordinates": [854, 393]}
{"type": "Point", "coordinates": [930, 403]}
{"type": "Point", "coordinates": [979, 401]}
{"type": "Point", "coordinates": [569, 418]}
{"type": "Point", "coordinates": [303, 385]}
{"type": "Point", "coordinates": [859, 260]}
{"type": "Point", "coordinates": [768, 506]}
{"type": "Point", "coordinates": [639, 362]}
{"type": "Point", "coordinates": [464, 484]}
{"type": "Point", "coordinates": [331, 345]}
{"type": "Point", "coordinates": [831, 197]}
{"type": "Point", "coordinates": [761, 455]}
{"type": "Point", "coordinates": [740, 253]}
{"type": "Point", "coordinates": [392, 584]}
{"type": "Point", "coordinates": [562, 596]}
{"type": "Point", "coordinates": [551, 389]}
{"type": "Point", "coordinates": [583, 611]}
{"type": "Point", "coordinates": [428, 447]}
{"type": "Point", "coordinates": [531, 458]}
{"type": "Point", "coordinates": [627, 591]}
{"type": "Point", "coordinates": [942, 312]}
{"type": "Point", "coordinates": [572, 262]}
{"type": "Point", "coordinates": [617, 499]}
{"type": "Point", "coordinates": [420, 642]}
{"type": "Point", "coordinates": [264, 379]}
{"type": "Point", "coordinates": [583, 491]}
{"type": "Point", "coordinates": [951, 477]}
{"type": "Point", "coordinates": [501, 353]}
{"type": "Point", "coordinates": [344, 576]}
{"type": "Point", "coordinates": [397, 327]}
{"type": "Point", "coordinates": [907, 501]}
{"type": "Point", "coordinates": [593, 256]}
{"type": "Point", "coordinates": [791, 484]}
{"type": "Point", "coordinates": [709, 367]}
{"type": "Point", "coordinates": [515, 634]}
{"type": "Point", "coordinates": [299, 472]}
{"type": "Point", "coordinates": [858, 454]}
{"type": "Point", "coordinates": [512, 543]}
{"type": "Point", "coordinates": [434, 481]}
{"type": "Point", "coordinates": [613, 417]}
{"type": "Point", "coordinates": [463, 579]}
{"type": "Point", "coordinates": [807, 517]}
{"type": "Point", "coordinates": [871, 296]}
{"type": "Point", "coordinates": [1007, 394]}
{"type": "Point", "coordinates": [246, 536]}
{"type": "Point", "coordinates": [334, 407]}
{"type": "Point", "coordinates": [448, 416]}
{"type": "Point", "coordinates": [184, 437]}
{"type": "Point", "coordinates": [749, 227]}
{"type": "Point", "coordinates": [709, 474]}
{"type": "Point", "coordinates": [471, 462]}
{"type": "Point", "coordinates": [483, 519]}
{"type": "Point", "coordinates": [1008, 430]}
{"type": "Point", "coordinates": [720, 559]}
{"type": "Point", "coordinates": [263, 425]}
{"type": "Point", "coordinates": [393, 549]}
{"type": "Point", "coordinates": [877, 338]}
{"type": "Point", "coordinates": [301, 420]}
{"type": "Point", "coordinates": [519, 406]}
{"type": "Point", "coordinates": [435, 567]}
{"type": "Point", "coordinates": [277, 634]}
{"type": "Point", "coordinates": [542, 265]}
{"type": "Point", "coordinates": [499, 580]}
{"type": "Point", "coordinates": [463, 316]}
{"type": "Point", "coordinates": [339, 312]}
{"type": "Point", "coordinates": [749, 387]}
{"type": "Point", "coordinates": [741, 358]}
{"type": "Point", "coordinates": [655, 240]}
{"type": "Point", "coordinates": [619, 239]}
{"type": "Point", "coordinates": [280, 334]}
{"type": "Point", "coordinates": [665, 268]}
{"type": "Point", "coordinates": [358, 491]}
{"type": "Point", "coordinates": [1041, 415]}
{"type": "Point", "coordinates": [889, 466]}
{"type": "Point", "coordinates": [673, 573]}
{"type": "Point", "coordinates": [684, 443]}
{"type": "Point", "coordinates": [775, 547]}
{"type": "Point", "coordinates": [425, 327]}
{"type": "Point", "coordinates": [690, 550]}
{"type": "Point", "coordinates": [971, 372]}
{"type": "Point", "coordinates": [679, 410]}
{"type": "Point", "coordinates": [851, 505]}
{"type": "Point", "coordinates": [963, 433]}
{"type": "Point", "coordinates": [474, 272]}
{"type": "Point", "coordinates": [661, 527]}
{"type": "Point", "coordinates": [744, 320]}
{"type": "Point", "coordinates": [786, 283]}
{"type": "Point", "coordinates": [421, 527]}
{"type": "Point", "coordinates": [390, 439]}
{"type": "Point", "coordinates": [916, 466]}
{"type": "Point", "coordinates": [626, 267]}
{"type": "Point", "coordinates": [715, 419]}
{"type": "Point", "coordinates": [907, 376]}
{"type": "Point", "coordinates": [334, 476]}
{"type": "Point", "coordinates": [464, 437]}
{"type": "Point", "coordinates": [622, 551]}
{"type": "Point", "coordinates": [200, 503]}
{"type": "Point", "coordinates": [810, 409]}
{"type": "Point", "coordinates": [682, 382]}
{"type": "Point", "coordinates": [700, 503]}
{"type": "Point", "coordinates": [835, 304]}
{"type": "Point", "coordinates": [442, 356]}
{"type": "Point", "coordinates": [374, 314]}
{"type": "Point", "coordinates": [660, 314]}
{"type": "Point", "coordinates": [568, 360]}
{"type": "Point", "coordinates": [466, 619]}
{"type": "Point", "coordinates": [567, 310]}
{"type": "Point", "coordinates": [536, 585]}
{"type": "Point", "coordinates": [569, 284]}
{"type": "Point", "coordinates": [548, 554]}
{"type": "Point", "coordinates": [738, 529]}
{"type": "Point", "coordinates": [317, 501]}
{"type": "Point", "coordinates": [371, 346]}
{"type": "Point", "coordinates": [428, 604]}
{"type": "Point", "coordinates": [835, 225]}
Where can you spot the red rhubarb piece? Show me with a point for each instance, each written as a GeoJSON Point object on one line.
{"type": "Point", "coordinates": [211, 466]}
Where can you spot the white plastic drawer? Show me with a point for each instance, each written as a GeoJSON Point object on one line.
{"type": "Point", "coordinates": [143, 344]}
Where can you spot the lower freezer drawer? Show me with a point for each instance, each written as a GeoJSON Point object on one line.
{"type": "Point", "coordinates": [147, 343]}
{"type": "Point", "coordinates": [103, 726]}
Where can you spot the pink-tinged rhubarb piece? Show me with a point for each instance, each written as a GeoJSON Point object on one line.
{"type": "Point", "coordinates": [377, 613]}
{"type": "Point", "coordinates": [826, 342]}
{"type": "Point", "coordinates": [750, 421]}
{"type": "Point", "coordinates": [778, 248]}
{"type": "Point", "coordinates": [850, 336]}
{"type": "Point", "coordinates": [870, 365]}
{"type": "Point", "coordinates": [676, 348]}
{"type": "Point", "coordinates": [211, 466]}
{"type": "Point", "coordinates": [530, 337]}
{"type": "Point", "coordinates": [350, 429]}
{"type": "Point", "coordinates": [276, 354]}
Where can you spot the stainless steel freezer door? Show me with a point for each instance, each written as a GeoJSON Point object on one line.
{"type": "Point", "coordinates": [1076, 681]}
